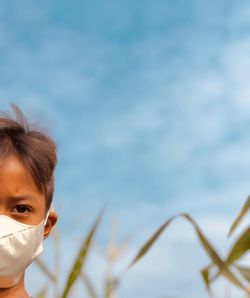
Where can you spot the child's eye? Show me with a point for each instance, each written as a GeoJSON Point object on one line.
{"type": "Point", "coordinates": [21, 209]}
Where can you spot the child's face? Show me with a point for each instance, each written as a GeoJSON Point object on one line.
{"type": "Point", "coordinates": [19, 197]}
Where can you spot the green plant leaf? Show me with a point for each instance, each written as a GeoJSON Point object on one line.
{"type": "Point", "coordinates": [215, 258]}
{"type": "Point", "coordinates": [205, 273]}
{"type": "Point", "coordinates": [245, 271]}
{"type": "Point", "coordinates": [241, 246]}
{"type": "Point", "coordinates": [144, 249]}
{"type": "Point", "coordinates": [240, 216]}
{"type": "Point", "coordinates": [81, 258]}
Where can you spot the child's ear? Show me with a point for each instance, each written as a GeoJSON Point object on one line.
{"type": "Point", "coordinates": [51, 221]}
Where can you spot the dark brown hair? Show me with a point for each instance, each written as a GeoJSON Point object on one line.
{"type": "Point", "coordinates": [34, 148]}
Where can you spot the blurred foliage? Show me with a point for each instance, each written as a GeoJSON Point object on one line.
{"type": "Point", "coordinates": [229, 267]}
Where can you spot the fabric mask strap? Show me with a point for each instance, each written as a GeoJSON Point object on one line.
{"type": "Point", "coordinates": [46, 218]}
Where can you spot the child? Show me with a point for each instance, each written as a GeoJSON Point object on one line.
{"type": "Point", "coordinates": [27, 163]}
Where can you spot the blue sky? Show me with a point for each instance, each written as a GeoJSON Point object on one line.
{"type": "Point", "coordinates": [149, 104]}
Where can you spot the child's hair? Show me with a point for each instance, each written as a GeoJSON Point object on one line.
{"type": "Point", "coordinates": [35, 149]}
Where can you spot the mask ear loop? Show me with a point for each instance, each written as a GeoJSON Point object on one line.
{"type": "Point", "coordinates": [46, 218]}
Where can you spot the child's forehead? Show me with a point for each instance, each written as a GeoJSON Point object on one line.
{"type": "Point", "coordinates": [13, 165]}
{"type": "Point", "coordinates": [15, 177]}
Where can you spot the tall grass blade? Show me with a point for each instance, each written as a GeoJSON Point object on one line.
{"type": "Point", "coordinates": [89, 286]}
{"type": "Point", "coordinates": [225, 271]}
{"type": "Point", "coordinates": [245, 271]}
{"type": "Point", "coordinates": [239, 248]}
{"type": "Point", "coordinates": [55, 236]}
{"type": "Point", "coordinates": [205, 274]}
{"type": "Point", "coordinates": [240, 216]}
{"type": "Point", "coordinates": [144, 249]}
{"type": "Point", "coordinates": [81, 257]}
{"type": "Point", "coordinates": [45, 270]}
{"type": "Point", "coordinates": [110, 287]}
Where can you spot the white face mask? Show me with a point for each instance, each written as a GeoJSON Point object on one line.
{"type": "Point", "coordinates": [20, 244]}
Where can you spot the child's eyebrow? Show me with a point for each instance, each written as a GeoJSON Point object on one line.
{"type": "Point", "coordinates": [24, 196]}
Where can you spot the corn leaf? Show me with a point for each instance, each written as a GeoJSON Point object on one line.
{"type": "Point", "coordinates": [240, 216]}
{"type": "Point", "coordinates": [239, 248]}
{"type": "Point", "coordinates": [215, 258]}
{"type": "Point", "coordinates": [245, 271]}
{"type": "Point", "coordinates": [81, 258]}
{"type": "Point", "coordinates": [205, 274]}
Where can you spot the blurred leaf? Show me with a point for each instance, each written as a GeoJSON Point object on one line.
{"type": "Point", "coordinates": [42, 293]}
{"type": "Point", "coordinates": [245, 271]}
{"type": "Point", "coordinates": [205, 276]}
{"type": "Point", "coordinates": [241, 246]}
{"type": "Point", "coordinates": [115, 252]}
{"type": "Point", "coordinates": [45, 270]}
{"type": "Point", "coordinates": [225, 271]}
{"type": "Point", "coordinates": [55, 235]}
{"type": "Point", "coordinates": [89, 286]}
{"type": "Point", "coordinates": [110, 286]}
{"type": "Point", "coordinates": [80, 260]}
{"type": "Point", "coordinates": [150, 242]}
{"type": "Point", "coordinates": [240, 216]}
